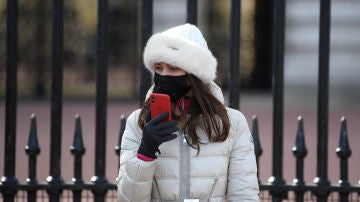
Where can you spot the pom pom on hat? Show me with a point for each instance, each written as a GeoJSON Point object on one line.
{"type": "Point", "coordinates": [185, 47]}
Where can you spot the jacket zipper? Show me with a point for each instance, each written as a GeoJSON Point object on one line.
{"type": "Point", "coordinates": [184, 161]}
{"type": "Point", "coordinates": [212, 189]}
{"type": "Point", "coordinates": [184, 169]}
{"type": "Point", "coordinates": [157, 189]}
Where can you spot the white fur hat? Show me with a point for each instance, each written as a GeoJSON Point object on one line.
{"type": "Point", "coordinates": [185, 47]}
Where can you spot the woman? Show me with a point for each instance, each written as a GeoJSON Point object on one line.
{"type": "Point", "coordinates": [206, 152]}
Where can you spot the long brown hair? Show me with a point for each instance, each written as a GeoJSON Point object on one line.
{"type": "Point", "coordinates": [206, 111]}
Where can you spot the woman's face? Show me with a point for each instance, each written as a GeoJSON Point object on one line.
{"type": "Point", "coordinates": [165, 69]}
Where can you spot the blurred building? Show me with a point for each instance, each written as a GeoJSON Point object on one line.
{"type": "Point", "coordinates": [302, 34]}
{"type": "Point", "coordinates": [301, 38]}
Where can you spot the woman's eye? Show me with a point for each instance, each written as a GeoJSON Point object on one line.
{"type": "Point", "coordinates": [174, 68]}
{"type": "Point", "coordinates": [158, 68]}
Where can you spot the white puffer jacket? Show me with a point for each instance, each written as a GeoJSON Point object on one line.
{"type": "Point", "coordinates": [221, 171]}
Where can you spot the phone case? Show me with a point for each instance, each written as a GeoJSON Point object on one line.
{"type": "Point", "coordinates": [160, 103]}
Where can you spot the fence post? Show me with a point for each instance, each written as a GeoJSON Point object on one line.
{"type": "Point", "coordinates": [54, 178]}
{"type": "Point", "coordinates": [234, 54]}
{"type": "Point", "coordinates": [278, 99]}
{"type": "Point", "coordinates": [323, 100]}
{"type": "Point", "coordinates": [191, 14]}
{"type": "Point", "coordinates": [101, 102]}
{"type": "Point", "coordinates": [11, 100]}
{"type": "Point", "coordinates": [146, 31]}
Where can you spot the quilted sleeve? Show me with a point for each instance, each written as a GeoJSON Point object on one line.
{"type": "Point", "coordinates": [135, 177]}
{"type": "Point", "coordinates": [242, 179]}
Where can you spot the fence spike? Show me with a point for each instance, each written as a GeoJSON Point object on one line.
{"type": "Point", "coordinates": [32, 149]}
{"type": "Point", "coordinates": [300, 152]}
{"type": "Point", "coordinates": [121, 132]}
{"type": "Point", "coordinates": [257, 145]}
{"type": "Point", "coordinates": [77, 148]}
{"type": "Point", "coordinates": [255, 134]}
{"type": "Point", "coordinates": [343, 151]}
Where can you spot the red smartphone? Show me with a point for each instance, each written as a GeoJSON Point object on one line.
{"type": "Point", "coordinates": [160, 103]}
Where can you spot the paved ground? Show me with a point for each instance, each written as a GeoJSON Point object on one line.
{"type": "Point", "coordinates": [297, 102]}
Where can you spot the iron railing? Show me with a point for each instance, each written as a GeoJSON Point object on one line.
{"type": "Point", "coordinates": [276, 189]}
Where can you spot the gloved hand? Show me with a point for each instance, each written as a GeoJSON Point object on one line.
{"type": "Point", "coordinates": [155, 133]}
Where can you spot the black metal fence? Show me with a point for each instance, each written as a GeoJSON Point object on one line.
{"type": "Point", "coordinates": [99, 188]}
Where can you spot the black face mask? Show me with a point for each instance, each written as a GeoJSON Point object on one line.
{"type": "Point", "coordinates": [175, 86]}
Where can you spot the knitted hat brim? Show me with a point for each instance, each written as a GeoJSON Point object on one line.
{"type": "Point", "coordinates": [181, 53]}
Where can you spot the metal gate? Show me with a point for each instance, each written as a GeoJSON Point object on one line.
{"type": "Point", "coordinates": [100, 189]}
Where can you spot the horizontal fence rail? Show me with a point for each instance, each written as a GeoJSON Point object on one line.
{"type": "Point", "coordinates": [98, 188]}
